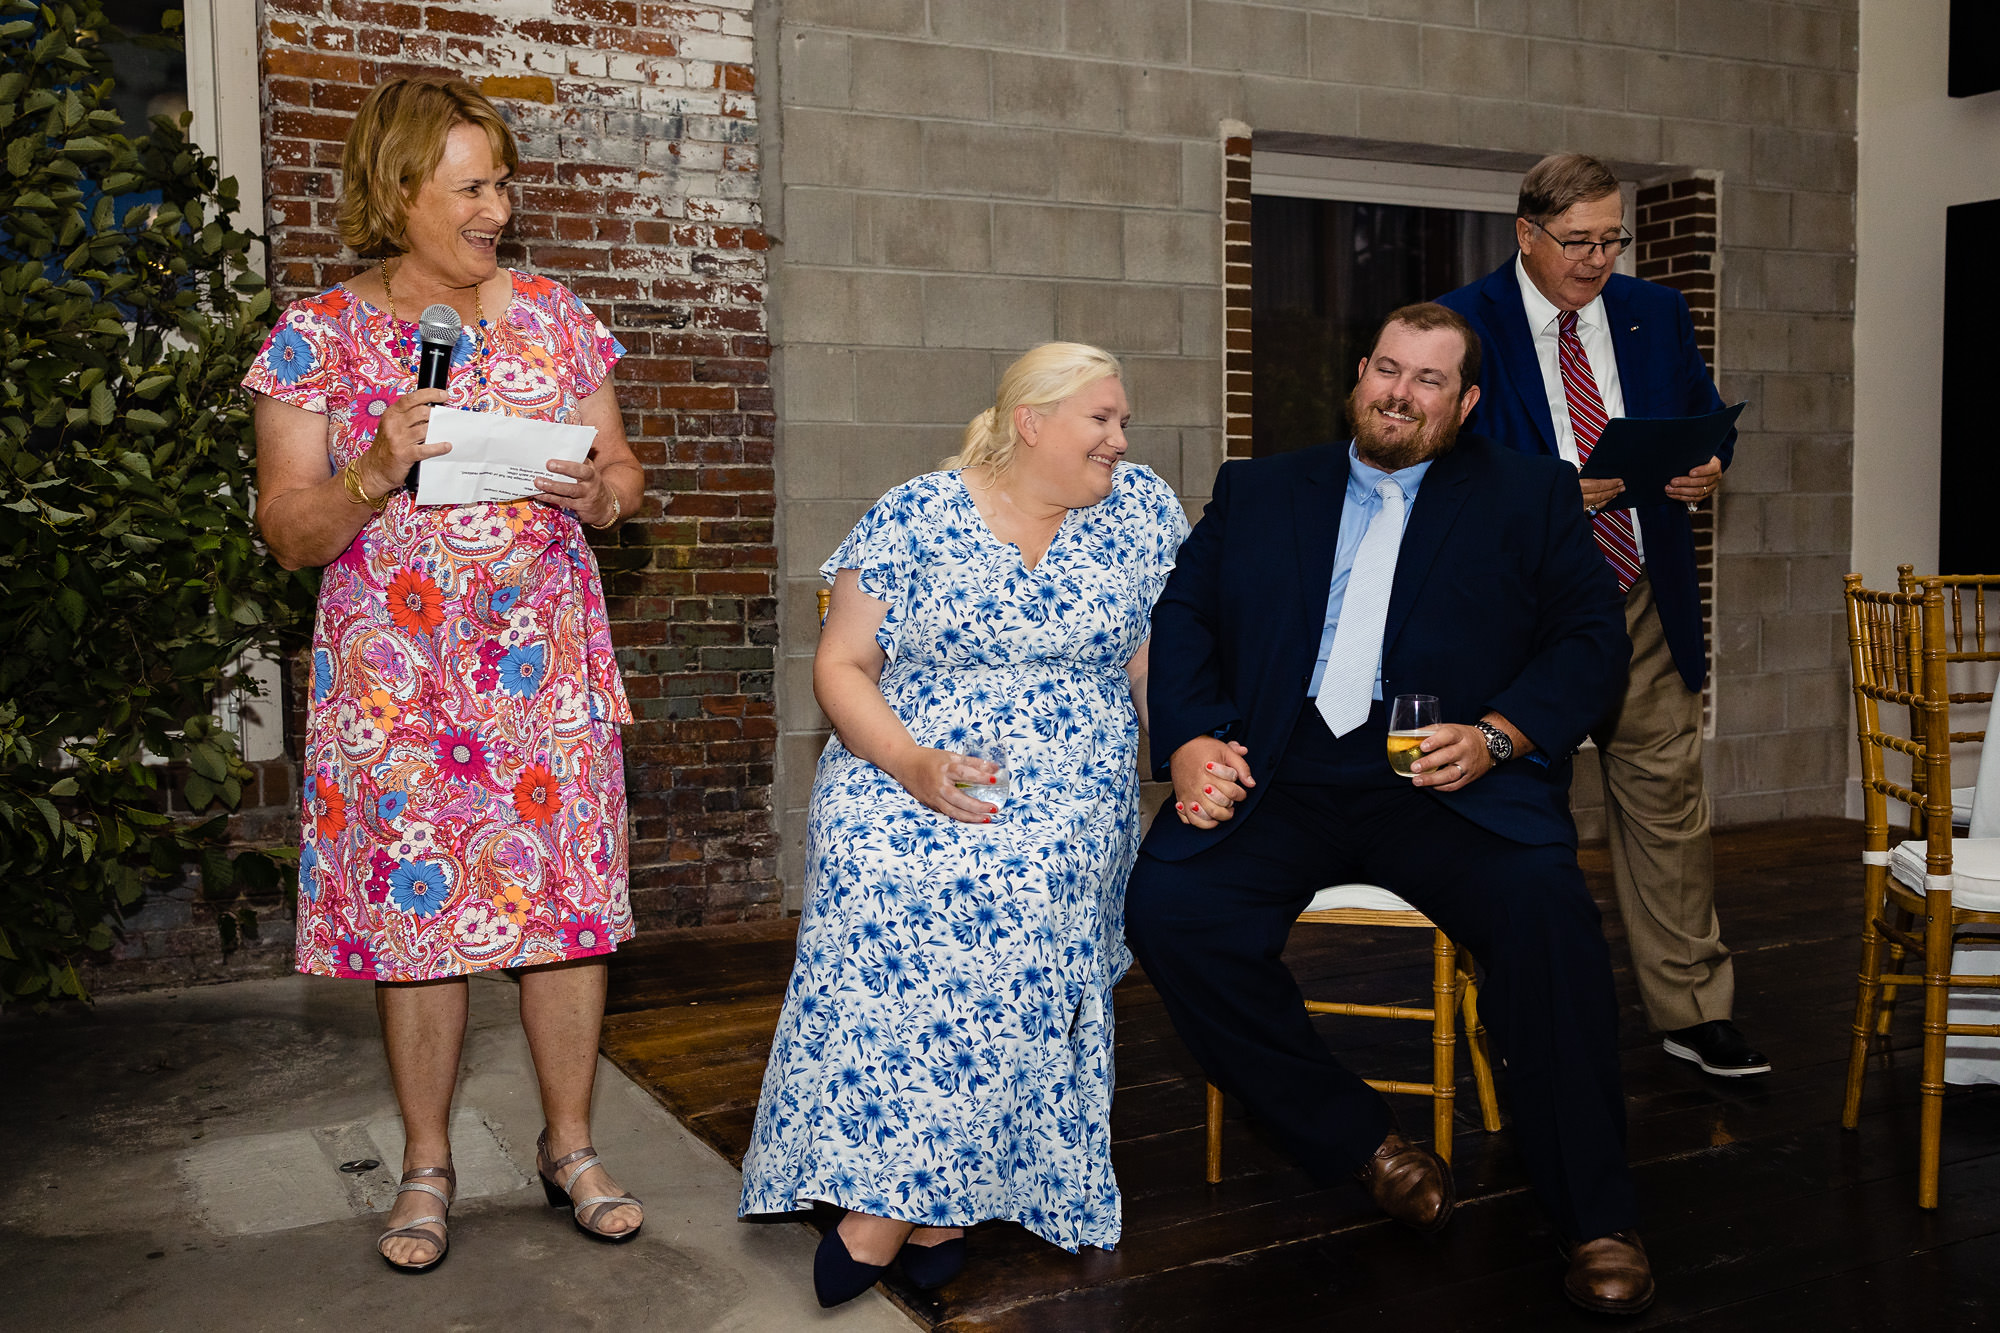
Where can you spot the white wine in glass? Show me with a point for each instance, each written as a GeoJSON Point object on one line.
{"type": "Point", "coordinates": [1411, 718]}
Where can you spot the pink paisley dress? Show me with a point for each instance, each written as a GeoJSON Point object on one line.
{"type": "Point", "coordinates": [464, 788]}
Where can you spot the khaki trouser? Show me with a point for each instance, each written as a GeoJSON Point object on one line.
{"type": "Point", "coordinates": [1656, 812]}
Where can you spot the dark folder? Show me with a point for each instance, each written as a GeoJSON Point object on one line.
{"type": "Point", "coordinates": [1648, 452]}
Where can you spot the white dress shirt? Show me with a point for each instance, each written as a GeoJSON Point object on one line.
{"type": "Point", "coordinates": [1593, 330]}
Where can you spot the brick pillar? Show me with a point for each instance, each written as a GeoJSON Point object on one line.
{"type": "Point", "coordinates": [638, 188]}
{"type": "Point", "coordinates": [1236, 373]}
{"type": "Point", "coordinates": [1679, 237]}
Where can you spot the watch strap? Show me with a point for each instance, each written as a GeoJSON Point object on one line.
{"type": "Point", "coordinates": [1498, 745]}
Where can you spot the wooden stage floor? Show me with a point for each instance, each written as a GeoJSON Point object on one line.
{"type": "Point", "coordinates": [1760, 1212]}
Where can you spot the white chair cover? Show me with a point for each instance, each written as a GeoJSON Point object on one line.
{"type": "Point", "coordinates": [1365, 897]}
{"type": "Point", "coordinates": [1977, 1059]}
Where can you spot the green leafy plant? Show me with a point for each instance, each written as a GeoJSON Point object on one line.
{"type": "Point", "coordinates": [131, 581]}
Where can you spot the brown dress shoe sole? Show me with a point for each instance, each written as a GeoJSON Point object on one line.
{"type": "Point", "coordinates": [1598, 1305]}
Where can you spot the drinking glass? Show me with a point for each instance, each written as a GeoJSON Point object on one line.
{"type": "Point", "coordinates": [993, 751]}
{"type": "Point", "coordinates": [1411, 718]}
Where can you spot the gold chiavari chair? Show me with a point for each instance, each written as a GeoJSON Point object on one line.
{"type": "Point", "coordinates": [1453, 992]}
{"type": "Point", "coordinates": [1920, 893]}
{"type": "Point", "coordinates": [1965, 640]}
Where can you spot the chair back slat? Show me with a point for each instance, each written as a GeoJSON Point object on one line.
{"type": "Point", "coordinates": [1897, 652]}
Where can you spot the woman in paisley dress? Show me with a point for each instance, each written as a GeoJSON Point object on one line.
{"type": "Point", "coordinates": [944, 1054]}
{"type": "Point", "coordinates": [464, 802]}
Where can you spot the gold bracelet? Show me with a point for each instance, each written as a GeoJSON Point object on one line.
{"type": "Point", "coordinates": [616, 509]}
{"type": "Point", "coordinates": [350, 477]}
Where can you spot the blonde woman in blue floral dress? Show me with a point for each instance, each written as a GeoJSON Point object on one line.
{"type": "Point", "coordinates": [944, 1054]}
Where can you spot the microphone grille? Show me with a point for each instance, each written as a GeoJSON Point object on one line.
{"type": "Point", "coordinates": [439, 324]}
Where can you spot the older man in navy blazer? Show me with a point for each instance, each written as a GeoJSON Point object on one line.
{"type": "Point", "coordinates": [1318, 585]}
{"type": "Point", "coordinates": [1568, 345]}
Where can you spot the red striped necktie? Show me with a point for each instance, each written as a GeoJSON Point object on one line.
{"type": "Point", "coordinates": [1612, 527]}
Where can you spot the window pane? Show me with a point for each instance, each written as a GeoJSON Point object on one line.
{"type": "Point", "coordinates": [1322, 275]}
{"type": "Point", "coordinates": [147, 82]}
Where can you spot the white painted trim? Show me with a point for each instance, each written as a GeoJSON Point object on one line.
{"type": "Point", "coordinates": [1361, 181]}
{"type": "Point", "coordinates": [223, 93]}
{"type": "Point", "coordinates": [1358, 180]}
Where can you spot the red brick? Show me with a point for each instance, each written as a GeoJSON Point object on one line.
{"type": "Point", "coordinates": [442, 19]}
{"type": "Point", "coordinates": [618, 12]}
{"type": "Point", "coordinates": [341, 97]}
{"type": "Point", "coordinates": [379, 12]}
{"type": "Point", "coordinates": [316, 65]}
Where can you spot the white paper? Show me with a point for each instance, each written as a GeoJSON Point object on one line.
{"type": "Point", "coordinates": [494, 456]}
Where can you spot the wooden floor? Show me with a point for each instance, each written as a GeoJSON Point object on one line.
{"type": "Point", "coordinates": [1760, 1213]}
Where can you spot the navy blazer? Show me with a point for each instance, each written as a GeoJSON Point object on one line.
{"type": "Point", "coordinates": [1660, 373]}
{"type": "Point", "coordinates": [1501, 601]}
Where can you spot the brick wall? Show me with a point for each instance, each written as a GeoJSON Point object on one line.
{"type": "Point", "coordinates": [1679, 231]}
{"type": "Point", "coordinates": [961, 179]}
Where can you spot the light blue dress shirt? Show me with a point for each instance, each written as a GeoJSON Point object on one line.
{"type": "Point", "coordinates": [1361, 507]}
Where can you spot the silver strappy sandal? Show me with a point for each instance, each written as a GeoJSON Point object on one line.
{"type": "Point", "coordinates": [587, 1213]}
{"type": "Point", "coordinates": [430, 1228]}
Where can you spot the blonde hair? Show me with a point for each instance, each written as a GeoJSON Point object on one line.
{"type": "Point", "coordinates": [393, 147]}
{"type": "Point", "coordinates": [1041, 379]}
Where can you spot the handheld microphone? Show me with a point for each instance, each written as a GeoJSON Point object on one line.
{"type": "Point", "coordinates": [438, 330]}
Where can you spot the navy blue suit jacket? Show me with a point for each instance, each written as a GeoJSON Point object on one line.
{"type": "Point", "coordinates": [1661, 374]}
{"type": "Point", "coordinates": [1501, 601]}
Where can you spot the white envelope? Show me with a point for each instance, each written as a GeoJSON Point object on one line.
{"type": "Point", "coordinates": [494, 456]}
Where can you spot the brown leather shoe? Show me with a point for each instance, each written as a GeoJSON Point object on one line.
{"type": "Point", "coordinates": [1410, 1184]}
{"type": "Point", "coordinates": [1610, 1275]}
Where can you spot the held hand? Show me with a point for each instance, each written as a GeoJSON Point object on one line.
{"type": "Point", "coordinates": [1455, 756]}
{"type": "Point", "coordinates": [589, 497]}
{"type": "Point", "coordinates": [1697, 485]}
{"type": "Point", "coordinates": [1210, 778]}
{"type": "Point", "coordinates": [932, 776]}
{"type": "Point", "coordinates": [1599, 491]}
{"type": "Point", "coordinates": [399, 441]}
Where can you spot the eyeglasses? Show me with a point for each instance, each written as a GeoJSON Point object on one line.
{"type": "Point", "coordinates": [1578, 251]}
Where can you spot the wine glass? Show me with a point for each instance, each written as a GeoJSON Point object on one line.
{"type": "Point", "coordinates": [1411, 718]}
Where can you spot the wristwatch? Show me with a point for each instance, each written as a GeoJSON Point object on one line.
{"type": "Point", "coordinates": [1497, 744]}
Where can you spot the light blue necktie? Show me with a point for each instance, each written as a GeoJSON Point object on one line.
{"type": "Point", "coordinates": [1348, 683]}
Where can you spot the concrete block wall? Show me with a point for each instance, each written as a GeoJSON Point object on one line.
{"type": "Point", "coordinates": [959, 179]}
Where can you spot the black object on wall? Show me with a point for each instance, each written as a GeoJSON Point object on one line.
{"type": "Point", "coordinates": [1969, 453]}
{"type": "Point", "coordinates": [1975, 48]}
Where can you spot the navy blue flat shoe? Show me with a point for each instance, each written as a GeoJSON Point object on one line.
{"type": "Point", "coordinates": [838, 1277]}
{"type": "Point", "coordinates": [931, 1266]}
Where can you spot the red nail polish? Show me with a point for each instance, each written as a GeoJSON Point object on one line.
{"type": "Point", "coordinates": [1179, 806]}
{"type": "Point", "coordinates": [995, 780]}
{"type": "Point", "coordinates": [1209, 767]}
{"type": "Point", "coordinates": [986, 821]}
{"type": "Point", "coordinates": [1208, 791]}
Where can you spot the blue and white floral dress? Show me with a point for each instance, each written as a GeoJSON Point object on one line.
{"type": "Point", "coordinates": [944, 1055]}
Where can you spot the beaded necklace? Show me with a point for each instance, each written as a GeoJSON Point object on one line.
{"type": "Point", "coordinates": [483, 344]}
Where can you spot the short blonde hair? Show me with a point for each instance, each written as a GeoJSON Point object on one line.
{"type": "Point", "coordinates": [395, 145]}
{"type": "Point", "coordinates": [1041, 379]}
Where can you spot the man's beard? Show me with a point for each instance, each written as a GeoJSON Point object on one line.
{"type": "Point", "coordinates": [1430, 439]}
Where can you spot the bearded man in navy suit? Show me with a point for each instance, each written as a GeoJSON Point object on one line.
{"type": "Point", "coordinates": [1318, 585]}
{"type": "Point", "coordinates": [1570, 344]}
